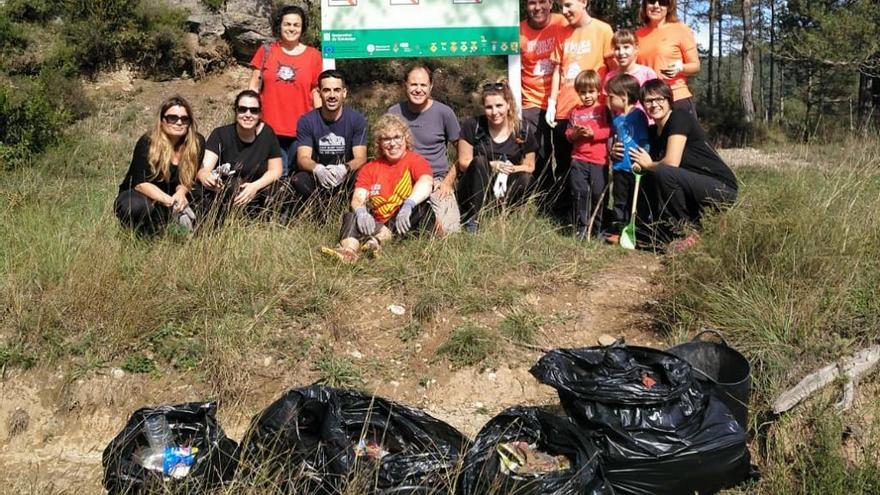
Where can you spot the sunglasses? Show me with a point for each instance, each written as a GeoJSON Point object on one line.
{"type": "Point", "coordinates": [662, 3]}
{"type": "Point", "coordinates": [175, 119]}
{"type": "Point", "coordinates": [241, 110]}
{"type": "Point", "coordinates": [494, 87]}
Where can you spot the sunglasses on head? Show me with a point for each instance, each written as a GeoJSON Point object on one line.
{"type": "Point", "coordinates": [662, 3]}
{"type": "Point", "coordinates": [494, 86]}
{"type": "Point", "coordinates": [241, 109]}
{"type": "Point", "coordinates": [174, 119]}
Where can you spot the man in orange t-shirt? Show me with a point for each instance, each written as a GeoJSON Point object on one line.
{"type": "Point", "coordinates": [587, 47]}
{"type": "Point", "coordinates": [539, 34]}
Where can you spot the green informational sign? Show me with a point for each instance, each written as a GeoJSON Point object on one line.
{"type": "Point", "coordinates": [419, 28]}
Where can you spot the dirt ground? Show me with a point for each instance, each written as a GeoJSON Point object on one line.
{"type": "Point", "coordinates": [54, 426]}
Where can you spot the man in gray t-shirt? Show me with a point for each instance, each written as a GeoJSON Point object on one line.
{"type": "Point", "coordinates": [434, 127]}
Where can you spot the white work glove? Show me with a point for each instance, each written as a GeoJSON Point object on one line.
{"type": "Point", "coordinates": [403, 221]}
{"type": "Point", "coordinates": [185, 218]}
{"type": "Point", "coordinates": [339, 172]}
{"type": "Point", "coordinates": [366, 224]}
{"type": "Point", "coordinates": [550, 116]}
{"type": "Point", "coordinates": [324, 176]}
{"type": "Point", "coordinates": [500, 187]}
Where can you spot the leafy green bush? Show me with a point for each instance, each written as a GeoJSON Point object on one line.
{"type": "Point", "coordinates": [30, 121]}
{"type": "Point", "coordinates": [11, 35]}
{"type": "Point", "coordinates": [33, 10]}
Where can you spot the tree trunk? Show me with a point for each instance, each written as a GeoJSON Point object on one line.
{"type": "Point", "coordinates": [710, 93]}
{"type": "Point", "coordinates": [770, 108]}
{"type": "Point", "coordinates": [748, 68]}
{"type": "Point", "coordinates": [865, 101]}
{"type": "Point", "coordinates": [720, 16]}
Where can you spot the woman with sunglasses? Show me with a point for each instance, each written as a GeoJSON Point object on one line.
{"type": "Point", "coordinates": [667, 45]}
{"type": "Point", "coordinates": [285, 73]}
{"type": "Point", "coordinates": [687, 174]}
{"type": "Point", "coordinates": [390, 194]}
{"type": "Point", "coordinates": [496, 153]}
{"type": "Point", "coordinates": [162, 170]}
{"type": "Point", "coordinates": [242, 161]}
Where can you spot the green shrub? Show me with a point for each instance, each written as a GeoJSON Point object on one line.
{"type": "Point", "coordinates": [11, 34]}
{"type": "Point", "coordinates": [33, 10]}
{"type": "Point", "coordinates": [30, 121]}
{"type": "Point", "coordinates": [468, 345]}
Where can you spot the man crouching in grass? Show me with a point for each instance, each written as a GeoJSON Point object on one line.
{"type": "Point", "coordinates": [389, 196]}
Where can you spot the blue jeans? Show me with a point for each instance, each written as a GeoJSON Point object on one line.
{"type": "Point", "coordinates": [288, 154]}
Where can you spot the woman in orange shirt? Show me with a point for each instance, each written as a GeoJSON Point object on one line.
{"type": "Point", "coordinates": [667, 45]}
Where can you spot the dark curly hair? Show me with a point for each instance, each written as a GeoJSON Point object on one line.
{"type": "Point", "coordinates": [287, 10]}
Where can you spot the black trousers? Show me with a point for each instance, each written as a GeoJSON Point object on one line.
{"type": "Point", "coordinates": [561, 191]}
{"type": "Point", "coordinates": [214, 206]}
{"type": "Point", "coordinates": [136, 211]}
{"type": "Point", "coordinates": [683, 195]}
{"type": "Point", "coordinates": [543, 175]}
{"type": "Point", "coordinates": [475, 185]}
{"type": "Point", "coordinates": [587, 182]}
{"type": "Point", "coordinates": [421, 220]}
{"type": "Point", "coordinates": [306, 196]}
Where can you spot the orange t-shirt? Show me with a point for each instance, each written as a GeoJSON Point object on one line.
{"type": "Point", "coordinates": [537, 70]}
{"type": "Point", "coordinates": [389, 184]}
{"type": "Point", "coordinates": [583, 49]}
{"type": "Point", "coordinates": [659, 47]}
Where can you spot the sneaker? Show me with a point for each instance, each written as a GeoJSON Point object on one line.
{"type": "Point", "coordinates": [682, 245]}
{"type": "Point", "coordinates": [371, 248]}
{"type": "Point", "coordinates": [344, 255]}
{"type": "Point", "coordinates": [611, 238]}
{"type": "Point", "coordinates": [472, 226]}
{"type": "Point", "coordinates": [581, 234]}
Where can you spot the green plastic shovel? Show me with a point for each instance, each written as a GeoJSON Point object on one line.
{"type": "Point", "coordinates": [628, 235]}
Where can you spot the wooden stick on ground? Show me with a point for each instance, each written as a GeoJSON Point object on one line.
{"type": "Point", "coordinates": [850, 368]}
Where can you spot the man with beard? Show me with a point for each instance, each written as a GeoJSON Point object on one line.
{"type": "Point", "coordinates": [331, 143]}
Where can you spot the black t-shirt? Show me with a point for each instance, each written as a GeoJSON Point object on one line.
{"type": "Point", "coordinates": [476, 132]}
{"type": "Point", "coordinates": [699, 156]}
{"type": "Point", "coordinates": [249, 160]}
{"type": "Point", "coordinates": [139, 170]}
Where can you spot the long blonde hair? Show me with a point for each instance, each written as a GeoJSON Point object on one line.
{"type": "Point", "coordinates": [162, 150]}
{"type": "Point", "coordinates": [502, 89]}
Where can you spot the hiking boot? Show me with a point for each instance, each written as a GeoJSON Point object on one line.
{"type": "Point", "coordinates": [344, 255]}
{"type": "Point", "coordinates": [681, 245]}
{"type": "Point", "coordinates": [371, 248]}
{"type": "Point", "coordinates": [472, 226]}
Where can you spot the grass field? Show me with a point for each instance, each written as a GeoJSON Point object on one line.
{"type": "Point", "coordinates": [791, 275]}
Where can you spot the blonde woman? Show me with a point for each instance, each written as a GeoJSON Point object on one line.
{"type": "Point", "coordinates": [390, 193]}
{"type": "Point", "coordinates": [162, 171]}
{"type": "Point", "coordinates": [495, 145]}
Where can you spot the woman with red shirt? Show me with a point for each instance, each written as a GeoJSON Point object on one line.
{"type": "Point", "coordinates": [667, 45]}
{"type": "Point", "coordinates": [288, 71]}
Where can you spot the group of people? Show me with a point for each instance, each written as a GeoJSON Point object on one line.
{"type": "Point", "coordinates": [590, 98]}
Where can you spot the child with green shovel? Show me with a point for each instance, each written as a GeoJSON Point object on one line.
{"type": "Point", "coordinates": [631, 130]}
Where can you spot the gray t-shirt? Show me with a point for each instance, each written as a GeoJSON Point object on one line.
{"type": "Point", "coordinates": [432, 130]}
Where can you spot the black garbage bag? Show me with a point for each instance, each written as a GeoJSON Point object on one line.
{"type": "Point", "coordinates": [191, 424]}
{"type": "Point", "coordinates": [485, 470]}
{"type": "Point", "coordinates": [658, 430]}
{"type": "Point", "coordinates": [319, 439]}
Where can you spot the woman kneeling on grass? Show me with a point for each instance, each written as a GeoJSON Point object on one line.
{"type": "Point", "coordinates": [496, 144]}
{"type": "Point", "coordinates": [162, 171]}
{"type": "Point", "coordinates": [390, 193]}
{"type": "Point", "coordinates": [242, 162]}
{"type": "Point", "coordinates": [688, 174]}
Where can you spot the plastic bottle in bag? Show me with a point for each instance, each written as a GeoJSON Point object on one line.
{"type": "Point", "coordinates": [159, 438]}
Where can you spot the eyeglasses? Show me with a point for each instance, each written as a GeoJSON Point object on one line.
{"type": "Point", "coordinates": [170, 118]}
{"type": "Point", "coordinates": [241, 110]}
{"type": "Point", "coordinates": [384, 141]}
{"type": "Point", "coordinates": [662, 3]}
{"type": "Point", "coordinates": [654, 101]}
{"type": "Point", "coordinates": [494, 86]}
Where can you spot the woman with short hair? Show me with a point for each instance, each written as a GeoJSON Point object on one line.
{"type": "Point", "coordinates": [162, 171]}
{"type": "Point", "coordinates": [390, 193]}
{"type": "Point", "coordinates": [688, 174]}
{"type": "Point", "coordinates": [285, 73]}
{"type": "Point", "coordinates": [242, 160]}
{"type": "Point", "coordinates": [496, 152]}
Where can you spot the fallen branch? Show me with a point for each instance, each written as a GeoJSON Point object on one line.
{"type": "Point", "coordinates": [851, 369]}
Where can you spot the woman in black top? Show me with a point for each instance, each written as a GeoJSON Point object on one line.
{"type": "Point", "coordinates": [242, 161]}
{"type": "Point", "coordinates": [497, 144]}
{"type": "Point", "coordinates": [162, 170]}
{"type": "Point", "coordinates": [688, 173]}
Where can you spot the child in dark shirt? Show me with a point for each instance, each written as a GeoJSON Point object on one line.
{"type": "Point", "coordinates": [588, 133]}
{"type": "Point", "coordinates": [630, 129]}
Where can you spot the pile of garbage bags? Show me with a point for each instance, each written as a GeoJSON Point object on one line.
{"type": "Point", "coordinates": [634, 421]}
